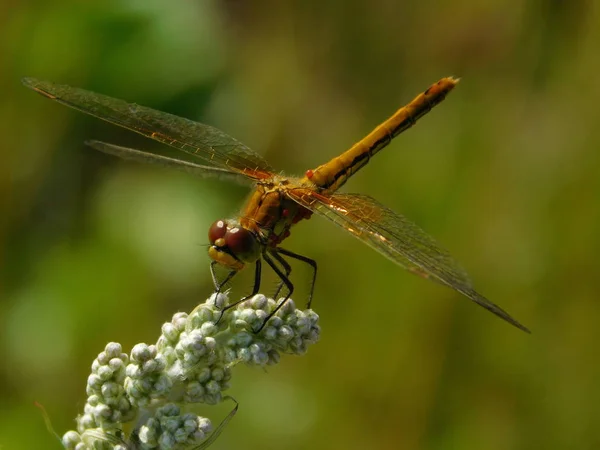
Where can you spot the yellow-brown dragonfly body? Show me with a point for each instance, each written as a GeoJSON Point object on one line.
{"type": "Point", "coordinates": [279, 202]}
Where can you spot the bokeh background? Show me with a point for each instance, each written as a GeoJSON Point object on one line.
{"type": "Point", "coordinates": [505, 174]}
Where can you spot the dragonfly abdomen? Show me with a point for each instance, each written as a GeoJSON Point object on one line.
{"type": "Point", "coordinates": [333, 174]}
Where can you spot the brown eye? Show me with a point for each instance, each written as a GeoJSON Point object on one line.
{"type": "Point", "coordinates": [241, 243]}
{"type": "Point", "coordinates": [217, 230]}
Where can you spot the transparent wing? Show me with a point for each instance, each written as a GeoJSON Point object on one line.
{"type": "Point", "coordinates": [396, 238]}
{"type": "Point", "coordinates": [131, 154]}
{"type": "Point", "coordinates": [202, 141]}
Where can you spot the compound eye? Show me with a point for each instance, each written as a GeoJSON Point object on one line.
{"type": "Point", "coordinates": [241, 242]}
{"type": "Point", "coordinates": [217, 231]}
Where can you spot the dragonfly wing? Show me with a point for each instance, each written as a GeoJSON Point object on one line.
{"type": "Point", "coordinates": [131, 154]}
{"type": "Point", "coordinates": [197, 139]}
{"type": "Point", "coordinates": [398, 239]}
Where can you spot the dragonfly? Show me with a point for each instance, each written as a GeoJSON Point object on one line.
{"type": "Point", "coordinates": [278, 202]}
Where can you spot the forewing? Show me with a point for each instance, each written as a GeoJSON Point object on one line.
{"type": "Point", "coordinates": [197, 139]}
{"type": "Point", "coordinates": [131, 154]}
{"type": "Point", "coordinates": [396, 238]}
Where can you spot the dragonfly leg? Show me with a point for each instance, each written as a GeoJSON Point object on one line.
{"type": "Point", "coordinates": [310, 262]}
{"type": "Point", "coordinates": [255, 289]}
{"type": "Point", "coordinates": [219, 284]}
{"type": "Point", "coordinates": [286, 266]}
{"type": "Point", "coordinates": [285, 280]}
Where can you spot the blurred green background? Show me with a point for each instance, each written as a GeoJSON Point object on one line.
{"type": "Point", "coordinates": [505, 174]}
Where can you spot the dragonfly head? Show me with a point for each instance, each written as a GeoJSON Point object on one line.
{"type": "Point", "coordinates": [232, 245]}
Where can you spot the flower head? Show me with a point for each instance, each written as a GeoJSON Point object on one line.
{"type": "Point", "coordinates": [154, 387]}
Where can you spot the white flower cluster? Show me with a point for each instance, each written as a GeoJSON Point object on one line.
{"type": "Point", "coordinates": [191, 363]}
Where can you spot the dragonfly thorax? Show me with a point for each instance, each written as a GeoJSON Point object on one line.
{"type": "Point", "coordinates": [232, 245]}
